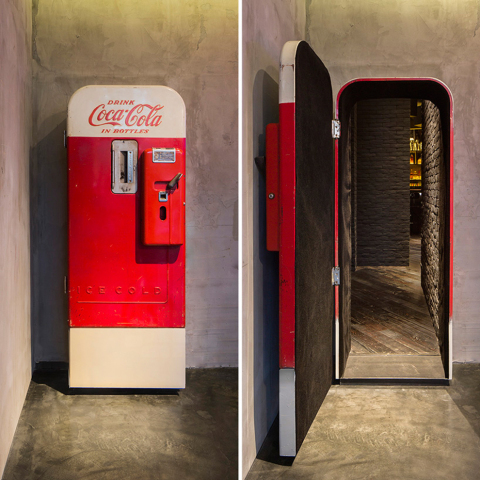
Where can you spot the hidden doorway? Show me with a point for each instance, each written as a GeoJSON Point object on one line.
{"type": "Point", "coordinates": [394, 231]}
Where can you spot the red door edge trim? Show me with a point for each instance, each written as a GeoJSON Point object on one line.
{"type": "Point", "coordinates": [287, 236]}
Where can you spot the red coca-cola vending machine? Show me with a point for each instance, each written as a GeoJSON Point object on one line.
{"type": "Point", "coordinates": [126, 237]}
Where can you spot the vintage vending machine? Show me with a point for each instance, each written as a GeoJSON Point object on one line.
{"type": "Point", "coordinates": [126, 237]}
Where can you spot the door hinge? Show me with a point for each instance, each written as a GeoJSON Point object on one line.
{"type": "Point", "coordinates": [65, 139]}
{"type": "Point", "coordinates": [335, 128]}
{"type": "Point", "coordinates": [65, 284]}
{"type": "Point", "coordinates": [336, 276]}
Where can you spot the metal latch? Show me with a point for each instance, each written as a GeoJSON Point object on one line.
{"type": "Point", "coordinates": [336, 276]}
{"type": "Point", "coordinates": [336, 128]}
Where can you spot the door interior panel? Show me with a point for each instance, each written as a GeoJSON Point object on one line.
{"type": "Point", "coordinates": [314, 237]}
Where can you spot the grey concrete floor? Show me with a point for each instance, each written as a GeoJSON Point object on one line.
{"type": "Point", "coordinates": [127, 435]}
{"type": "Point", "coordinates": [387, 433]}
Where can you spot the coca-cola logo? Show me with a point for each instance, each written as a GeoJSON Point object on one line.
{"type": "Point", "coordinates": [115, 113]}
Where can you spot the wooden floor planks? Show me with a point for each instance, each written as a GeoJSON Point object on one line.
{"type": "Point", "coordinates": [389, 313]}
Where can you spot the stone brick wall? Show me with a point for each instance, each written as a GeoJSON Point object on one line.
{"type": "Point", "coordinates": [433, 225]}
{"type": "Point", "coordinates": [383, 182]}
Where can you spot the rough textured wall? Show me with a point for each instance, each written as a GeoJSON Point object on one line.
{"type": "Point", "coordinates": [266, 27]}
{"type": "Point", "coordinates": [433, 219]}
{"type": "Point", "coordinates": [421, 38]}
{"type": "Point", "coordinates": [191, 47]}
{"type": "Point", "coordinates": [383, 182]}
{"type": "Point", "coordinates": [15, 141]}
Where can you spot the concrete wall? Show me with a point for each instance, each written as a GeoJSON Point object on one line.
{"type": "Point", "coordinates": [191, 47]}
{"type": "Point", "coordinates": [266, 27]}
{"type": "Point", "coordinates": [15, 141]}
{"type": "Point", "coordinates": [433, 217]}
{"type": "Point", "coordinates": [433, 38]}
{"type": "Point", "coordinates": [383, 182]}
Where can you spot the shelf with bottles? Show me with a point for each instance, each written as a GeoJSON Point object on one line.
{"type": "Point", "coordinates": [416, 146]}
{"type": "Point", "coordinates": [415, 176]}
{"type": "Point", "coordinates": [415, 158]}
{"type": "Point", "coordinates": [415, 172]}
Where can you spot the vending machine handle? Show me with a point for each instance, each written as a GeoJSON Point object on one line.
{"type": "Point", "coordinates": [173, 182]}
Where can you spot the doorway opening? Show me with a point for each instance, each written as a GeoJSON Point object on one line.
{"type": "Point", "coordinates": [394, 227]}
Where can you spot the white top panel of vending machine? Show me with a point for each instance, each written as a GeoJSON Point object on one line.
{"type": "Point", "coordinates": [126, 111]}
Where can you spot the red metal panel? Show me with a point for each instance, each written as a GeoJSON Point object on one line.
{"type": "Point", "coordinates": [273, 190]}
{"type": "Point", "coordinates": [287, 235]}
{"type": "Point", "coordinates": [165, 227]}
{"type": "Point", "coordinates": [114, 279]}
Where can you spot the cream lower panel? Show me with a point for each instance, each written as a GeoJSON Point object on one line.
{"type": "Point", "coordinates": [287, 413]}
{"type": "Point", "coordinates": [127, 358]}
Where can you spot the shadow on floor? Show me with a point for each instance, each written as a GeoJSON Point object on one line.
{"type": "Point", "coordinates": [270, 448]}
{"type": "Point", "coordinates": [58, 380]}
{"type": "Point", "coordinates": [465, 392]}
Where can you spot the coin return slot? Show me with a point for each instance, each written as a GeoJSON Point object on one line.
{"type": "Point", "coordinates": [163, 213]}
{"type": "Point", "coordinates": [162, 196]}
